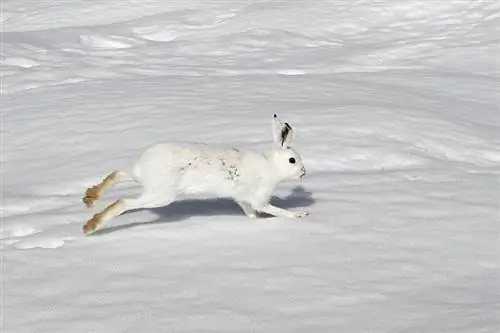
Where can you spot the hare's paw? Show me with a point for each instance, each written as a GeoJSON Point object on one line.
{"type": "Point", "coordinates": [92, 224]}
{"type": "Point", "coordinates": [299, 215]}
{"type": "Point", "coordinates": [248, 210]}
{"type": "Point", "coordinates": [251, 215]}
{"type": "Point", "coordinates": [91, 196]}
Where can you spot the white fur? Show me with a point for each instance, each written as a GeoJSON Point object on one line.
{"type": "Point", "coordinates": [169, 170]}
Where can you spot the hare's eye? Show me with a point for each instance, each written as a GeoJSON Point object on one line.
{"type": "Point", "coordinates": [292, 160]}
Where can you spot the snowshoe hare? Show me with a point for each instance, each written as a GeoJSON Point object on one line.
{"type": "Point", "coordinates": [170, 169]}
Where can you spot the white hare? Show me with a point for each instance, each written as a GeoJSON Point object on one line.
{"type": "Point", "coordinates": [170, 169]}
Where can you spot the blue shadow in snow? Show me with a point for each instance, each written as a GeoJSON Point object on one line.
{"type": "Point", "coordinates": [181, 210]}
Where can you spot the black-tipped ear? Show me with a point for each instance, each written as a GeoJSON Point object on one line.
{"type": "Point", "coordinates": [282, 133]}
{"type": "Point", "coordinates": [286, 132]}
{"type": "Point", "coordinates": [277, 126]}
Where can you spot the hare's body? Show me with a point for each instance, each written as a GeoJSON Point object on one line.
{"type": "Point", "coordinates": [194, 169]}
{"type": "Point", "coordinates": [170, 170]}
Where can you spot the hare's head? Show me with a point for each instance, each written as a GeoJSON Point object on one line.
{"type": "Point", "coordinates": [286, 160]}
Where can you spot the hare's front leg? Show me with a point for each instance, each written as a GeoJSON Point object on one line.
{"type": "Point", "coordinates": [247, 209]}
{"type": "Point", "coordinates": [276, 211]}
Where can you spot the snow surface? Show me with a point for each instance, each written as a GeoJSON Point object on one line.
{"type": "Point", "coordinates": [396, 109]}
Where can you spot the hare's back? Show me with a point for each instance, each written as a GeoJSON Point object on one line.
{"type": "Point", "coordinates": [197, 168]}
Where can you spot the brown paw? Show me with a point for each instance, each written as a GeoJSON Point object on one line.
{"type": "Point", "coordinates": [91, 196]}
{"type": "Point", "coordinates": [92, 225]}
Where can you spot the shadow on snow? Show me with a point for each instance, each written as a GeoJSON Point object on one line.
{"type": "Point", "coordinates": [183, 209]}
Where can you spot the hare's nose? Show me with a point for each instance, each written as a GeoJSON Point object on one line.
{"type": "Point", "coordinates": [303, 171]}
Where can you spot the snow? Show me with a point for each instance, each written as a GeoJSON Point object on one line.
{"type": "Point", "coordinates": [395, 107]}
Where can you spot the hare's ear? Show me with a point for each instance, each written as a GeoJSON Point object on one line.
{"type": "Point", "coordinates": [282, 133]}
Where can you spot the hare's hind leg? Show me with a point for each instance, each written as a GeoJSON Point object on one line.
{"type": "Point", "coordinates": [121, 205]}
{"type": "Point", "coordinates": [115, 209]}
{"type": "Point", "coordinates": [157, 194]}
{"type": "Point", "coordinates": [93, 193]}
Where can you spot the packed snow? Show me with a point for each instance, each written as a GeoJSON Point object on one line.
{"type": "Point", "coordinates": [395, 105]}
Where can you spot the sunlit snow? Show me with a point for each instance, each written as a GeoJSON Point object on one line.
{"type": "Point", "coordinates": [395, 105]}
